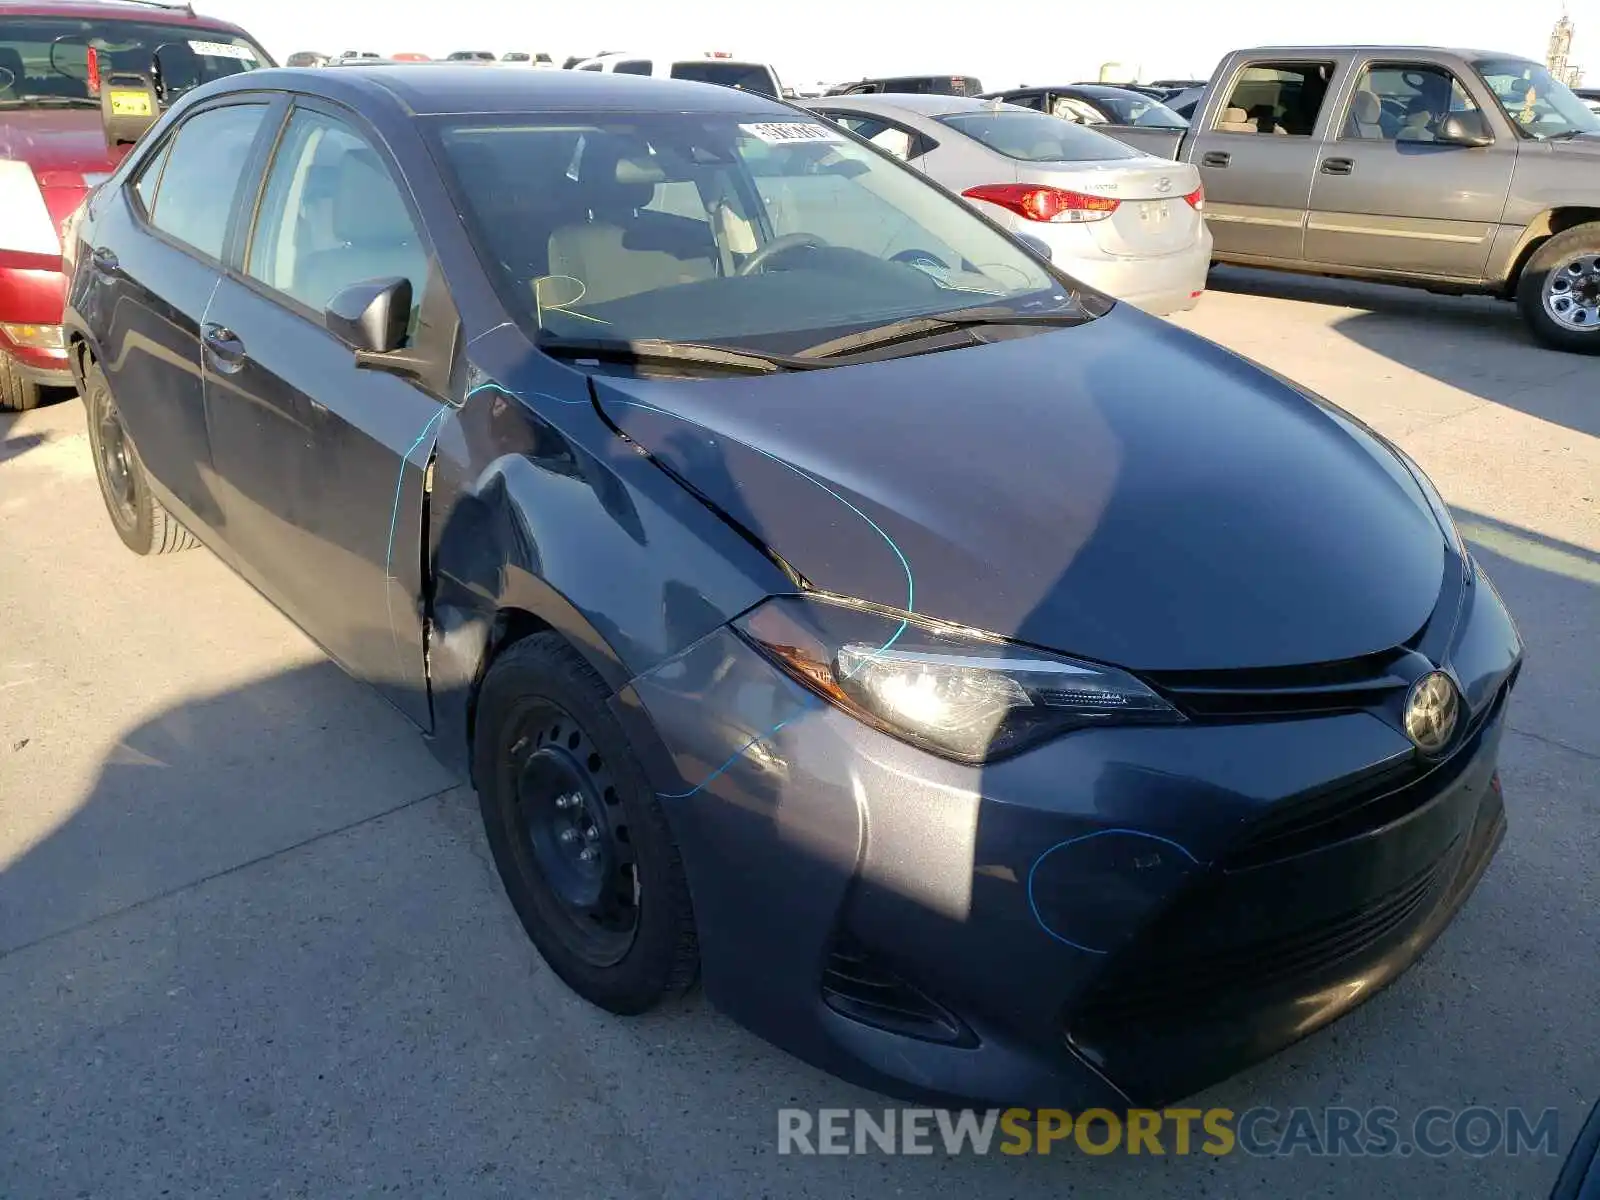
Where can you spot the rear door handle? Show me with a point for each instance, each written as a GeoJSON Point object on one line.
{"type": "Point", "coordinates": [104, 260]}
{"type": "Point", "coordinates": [227, 351]}
{"type": "Point", "coordinates": [1337, 166]}
{"type": "Point", "coordinates": [1215, 158]}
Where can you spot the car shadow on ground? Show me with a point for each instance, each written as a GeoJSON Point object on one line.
{"type": "Point", "coordinates": [360, 1003]}
{"type": "Point", "coordinates": [1475, 343]}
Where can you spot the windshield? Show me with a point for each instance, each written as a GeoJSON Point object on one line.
{"type": "Point", "coordinates": [1541, 105]}
{"type": "Point", "coordinates": [47, 58]}
{"type": "Point", "coordinates": [1029, 136]}
{"type": "Point", "coordinates": [1135, 109]}
{"type": "Point", "coordinates": [770, 235]}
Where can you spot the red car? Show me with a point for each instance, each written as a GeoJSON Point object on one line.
{"type": "Point", "coordinates": [54, 146]}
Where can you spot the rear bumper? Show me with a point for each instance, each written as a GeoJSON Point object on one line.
{"type": "Point", "coordinates": [1168, 284]}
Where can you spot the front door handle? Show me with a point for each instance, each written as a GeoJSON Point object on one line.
{"type": "Point", "coordinates": [1337, 166]}
{"type": "Point", "coordinates": [227, 351]}
{"type": "Point", "coordinates": [1215, 158]}
{"type": "Point", "coordinates": [104, 260]}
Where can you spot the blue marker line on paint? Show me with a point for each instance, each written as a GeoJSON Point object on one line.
{"type": "Point", "coordinates": [911, 586]}
{"type": "Point", "coordinates": [1033, 904]}
{"type": "Point", "coordinates": [394, 522]}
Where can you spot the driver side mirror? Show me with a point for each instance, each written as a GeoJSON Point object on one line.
{"type": "Point", "coordinates": [374, 319]}
{"type": "Point", "coordinates": [1465, 129]}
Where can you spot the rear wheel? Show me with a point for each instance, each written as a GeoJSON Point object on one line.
{"type": "Point", "coordinates": [17, 394]}
{"type": "Point", "coordinates": [1559, 292]}
{"type": "Point", "coordinates": [141, 521]}
{"type": "Point", "coordinates": [579, 839]}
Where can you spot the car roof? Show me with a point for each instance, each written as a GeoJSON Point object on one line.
{"type": "Point", "coordinates": [915, 102]}
{"type": "Point", "coordinates": [459, 88]}
{"type": "Point", "coordinates": [1310, 51]}
{"type": "Point", "coordinates": [126, 10]}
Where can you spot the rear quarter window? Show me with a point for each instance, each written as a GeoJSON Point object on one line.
{"type": "Point", "coordinates": [1029, 136]}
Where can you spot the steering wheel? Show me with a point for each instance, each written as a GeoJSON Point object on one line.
{"type": "Point", "coordinates": [777, 246]}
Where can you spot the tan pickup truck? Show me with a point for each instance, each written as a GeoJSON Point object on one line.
{"type": "Point", "coordinates": [1456, 170]}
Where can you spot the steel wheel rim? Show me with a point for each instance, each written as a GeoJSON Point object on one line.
{"type": "Point", "coordinates": [114, 457]}
{"type": "Point", "coordinates": [1572, 293]}
{"type": "Point", "coordinates": [572, 834]}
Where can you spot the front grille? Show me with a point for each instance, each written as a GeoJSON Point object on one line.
{"type": "Point", "coordinates": [862, 986]}
{"type": "Point", "coordinates": [1357, 806]}
{"type": "Point", "coordinates": [1265, 692]}
{"type": "Point", "coordinates": [1161, 982]}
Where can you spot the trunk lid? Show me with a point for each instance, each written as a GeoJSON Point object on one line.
{"type": "Point", "coordinates": [1152, 218]}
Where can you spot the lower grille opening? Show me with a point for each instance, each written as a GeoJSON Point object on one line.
{"type": "Point", "coordinates": [1162, 983]}
{"type": "Point", "coordinates": [859, 984]}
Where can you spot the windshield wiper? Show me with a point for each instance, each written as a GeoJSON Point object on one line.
{"type": "Point", "coordinates": [64, 101]}
{"type": "Point", "coordinates": [652, 350]}
{"type": "Point", "coordinates": [918, 327]}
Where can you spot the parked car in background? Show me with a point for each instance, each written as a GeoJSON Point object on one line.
{"type": "Point", "coordinates": [412, 56]}
{"type": "Point", "coordinates": [997, 695]}
{"type": "Point", "coordinates": [756, 77]}
{"type": "Point", "coordinates": [1173, 86]}
{"type": "Point", "coordinates": [55, 59]}
{"type": "Point", "coordinates": [486, 56]}
{"type": "Point", "coordinates": [1095, 104]}
{"type": "Point", "coordinates": [1590, 96]}
{"type": "Point", "coordinates": [1458, 171]}
{"type": "Point", "coordinates": [1186, 101]}
{"type": "Point", "coordinates": [1143, 89]}
{"type": "Point", "coordinates": [306, 58]}
{"type": "Point", "coordinates": [525, 58]}
{"type": "Point", "coordinates": [920, 85]}
{"type": "Point", "coordinates": [359, 54]}
{"type": "Point", "coordinates": [1119, 220]}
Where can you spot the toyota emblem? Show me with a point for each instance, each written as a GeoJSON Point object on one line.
{"type": "Point", "coordinates": [1164, 184]}
{"type": "Point", "coordinates": [1431, 710]}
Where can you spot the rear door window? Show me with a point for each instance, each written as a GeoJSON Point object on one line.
{"type": "Point", "coordinates": [201, 177]}
{"type": "Point", "coordinates": [1276, 98]}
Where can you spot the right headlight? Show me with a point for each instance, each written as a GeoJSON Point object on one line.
{"type": "Point", "coordinates": [958, 692]}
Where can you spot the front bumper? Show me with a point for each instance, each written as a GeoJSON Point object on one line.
{"type": "Point", "coordinates": [32, 291]}
{"type": "Point", "coordinates": [1122, 916]}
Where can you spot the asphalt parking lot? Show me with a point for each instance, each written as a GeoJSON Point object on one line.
{"type": "Point", "coordinates": [251, 942]}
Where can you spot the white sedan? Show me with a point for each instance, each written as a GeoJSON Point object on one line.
{"type": "Point", "coordinates": [1127, 223]}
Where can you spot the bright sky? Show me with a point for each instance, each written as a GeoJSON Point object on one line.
{"type": "Point", "coordinates": [834, 40]}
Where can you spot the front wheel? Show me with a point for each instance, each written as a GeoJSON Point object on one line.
{"type": "Point", "coordinates": [17, 393]}
{"type": "Point", "coordinates": [141, 521]}
{"type": "Point", "coordinates": [1559, 292]}
{"type": "Point", "coordinates": [580, 840]}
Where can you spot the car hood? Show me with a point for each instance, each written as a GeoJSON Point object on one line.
{"type": "Point", "coordinates": [67, 140]}
{"type": "Point", "coordinates": [1119, 490]}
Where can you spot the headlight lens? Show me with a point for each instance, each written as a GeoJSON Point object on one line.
{"type": "Point", "coordinates": [35, 337]}
{"type": "Point", "coordinates": [958, 692]}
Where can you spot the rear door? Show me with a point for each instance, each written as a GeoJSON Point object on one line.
{"type": "Point", "coordinates": [1388, 196]}
{"type": "Point", "coordinates": [154, 268]}
{"type": "Point", "coordinates": [1258, 152]}
{"type": "Point", "coordinates": [321, 461]}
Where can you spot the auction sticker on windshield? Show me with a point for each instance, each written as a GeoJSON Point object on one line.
{"type": "Point", "coordinates": [778, 132]}
{"type": "Point", "coordinates": [223, 50]}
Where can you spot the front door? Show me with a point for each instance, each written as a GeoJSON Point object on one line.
{"type": "Point", "coordinates": [321, 461]}
{"type": "Point", "coordinates": [1387, 195]}
{"type": "Point", "coordinates": [1257, 156]}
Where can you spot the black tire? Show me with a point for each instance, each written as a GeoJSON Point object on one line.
{"type": "Point", "coordinates": [544, 739]}
{"type": "Point", "coordinates": [17, 394]}
{"type": "Point", "coordinates": [1582, 242]}
{"type": "Point", "coordinates": [141, 521]}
